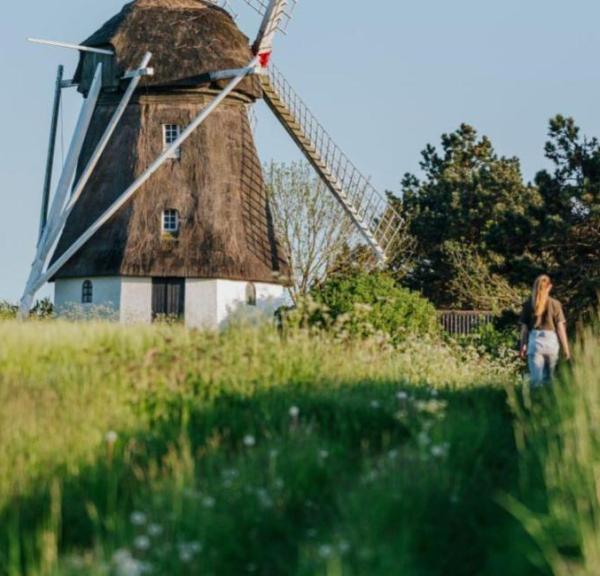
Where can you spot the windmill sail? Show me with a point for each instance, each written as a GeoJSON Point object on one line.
{"type": "Point", "coordinates": [262, 6]}
{"type": "Point", "coordinates": [371, 211]}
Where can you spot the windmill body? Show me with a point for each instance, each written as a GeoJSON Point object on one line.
{"type": "Point", "coordinates": [197, 240]}
{"type": "Point", "coordinates": [161, 208]}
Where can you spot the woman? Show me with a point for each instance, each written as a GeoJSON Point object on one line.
{"type": "Point", "coordinates": [543, 332]}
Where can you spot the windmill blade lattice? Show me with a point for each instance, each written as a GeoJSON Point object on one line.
{"type": "Point", "coordinates": [261, 6]}
{"type": "Point", "coordinates": [371, 211]}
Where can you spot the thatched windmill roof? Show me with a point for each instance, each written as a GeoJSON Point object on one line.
{"type": "Point", "coordinates": [188, 40]}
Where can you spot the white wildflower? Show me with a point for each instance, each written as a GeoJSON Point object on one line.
{"type": "Point", "coordinates": [440, 451]}
{"type": "Point", "coordinates": [111, 437]}
{"type": "Point", "coordinates": [423, 439]}
{"type": "Point", "coordinates": [402, 396]}
{"type": "Point", "coordinates": [138, 518]}
{"type": "Point", "coordinates": [323, 454]}
{"type": "Point", "coordinates": [325, 551]}
{"type": "Point", "coordinates": [155, 530]}
{"type": "Point", "coordinates": [249, 441]}
{"type": "Point", "coordinates": [294, 412]}
{"type": "Point", "coordinates": [142, 543]}
{"type": "Point", "coordinates": [126, 565]}
{"type": "Point", "coordinates": [375, 404]}
{"type": "Point", "coordinates": [187, 551]}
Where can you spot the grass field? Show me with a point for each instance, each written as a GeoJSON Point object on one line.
{"type": "Point", "coordinates": [127, 451]}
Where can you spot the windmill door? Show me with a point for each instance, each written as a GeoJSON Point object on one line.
{"type": "Point", "coordinates": [168, 298]}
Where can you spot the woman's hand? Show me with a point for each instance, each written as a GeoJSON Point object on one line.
{"type": "Point", "coordinates": [523, 352]}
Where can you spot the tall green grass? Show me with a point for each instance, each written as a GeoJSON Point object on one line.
{"type": "Point", "coordinates": [561, 428]}
{"type": "Point", "coordinates": [155, 450]}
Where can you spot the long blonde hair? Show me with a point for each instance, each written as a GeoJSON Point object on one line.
{"type": "Point", "coordinates": [541, 295]}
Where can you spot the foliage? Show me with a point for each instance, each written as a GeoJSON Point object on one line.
{"type": "Point", "coordinates": [366, 304]}
{"type": "Point", "coordinates": [126, 448]}
{"type": "Point", "coordinates": [560, 427]}
{"type": "Point", "coordinates": [471, 197]}
{"type": "Point", "coordinates": [568, 235]}
{"type": "Point", "coordinates": [42, 309]}
{"type": "Point", "coordinates": [7, 310]}
{"type": "Point", "coordinates": [483, 235]}
{"type": "Point", "coordinates": [311, 224]}
{"type": "Point", "coordinates": [496, 342]}
{"type": "Point", "coordinates": [474, 285]}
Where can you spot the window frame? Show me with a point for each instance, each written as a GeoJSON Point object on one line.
{"type": "Point", "coordinates": [170, 221]}
{"type": "Point", "coordinates": [170, 133]}
{"type": "Point", "coordinates": [251, 295]}
{"type": "Point", "coordinates": [87, 292]}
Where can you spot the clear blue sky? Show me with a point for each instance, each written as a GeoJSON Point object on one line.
{"type": "Point", "coordinates": [385, 77]}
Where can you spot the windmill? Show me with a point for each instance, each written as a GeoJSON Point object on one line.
{"type": "Point", "coordinates": [172, 144]}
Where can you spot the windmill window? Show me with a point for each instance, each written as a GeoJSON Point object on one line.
{"type": "Point", "coordinates": [250, 294]}
{"type": "Point", "coordinates": [170, 134]}
{"type": "Point", "coordinates": [87, 292]}
{"type": "Point", "coordinates": [170, 221]}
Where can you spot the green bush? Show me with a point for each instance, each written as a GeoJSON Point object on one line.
{"type": "Point", "coordinates": [365, 304]}
{"type": "Point", "coordinates": [7, 310]}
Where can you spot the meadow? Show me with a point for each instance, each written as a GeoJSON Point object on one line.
{"type": "Point", "coordinates": [156, 450]}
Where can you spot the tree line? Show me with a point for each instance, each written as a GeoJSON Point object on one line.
{"type": "Point", "coordinates": [475, 234]}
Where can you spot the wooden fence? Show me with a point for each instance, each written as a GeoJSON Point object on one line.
{"type": "Point", "coordinates": [463, 323]}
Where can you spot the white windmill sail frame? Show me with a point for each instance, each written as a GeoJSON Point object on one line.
{"type": "Point", "coordinates": [71, 46]}
{"type": "Point", "coordinates": [373, 214]}
{"type": "Point", "coordinates": [62, 207]}
{"type": "Point", "coordinates": [62, 189]}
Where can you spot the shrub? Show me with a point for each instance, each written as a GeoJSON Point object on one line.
{"type": "Point", "coordinates": [364, 304]}
{"type": "Point", "coordinates": [8, 311]}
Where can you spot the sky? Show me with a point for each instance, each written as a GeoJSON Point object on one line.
{"type": "Point", "coordinates": [385, 77]}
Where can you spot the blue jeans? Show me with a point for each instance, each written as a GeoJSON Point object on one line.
{"type": "Point", "coordinates": [544, 352]}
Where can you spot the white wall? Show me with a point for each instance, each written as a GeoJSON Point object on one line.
{"type": "Point", "coordinates": [209, 304]}
{"type": "Point", "coordinates": [231, 301]}
{"type": "Point", "coordinates": [201, 304]}
{"type": "Point", "coordinates": [136, 300]}
{"type": "Point", "coordinates": [106, 297]}
{"type": "Point", "coordinates": [213, 304]}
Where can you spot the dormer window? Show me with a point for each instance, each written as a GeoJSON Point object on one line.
{"type": "Point", "coordinates": [170, 134]}
{"type": "Point", "coordinates": [170, 222]}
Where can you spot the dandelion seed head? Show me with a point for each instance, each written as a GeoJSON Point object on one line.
{"type": "Point", "coordinates": [111, 437]}
{"type": "Point", "coordinates": [294, 412]}
{"type": "Point", "coordinates": [249, 441]}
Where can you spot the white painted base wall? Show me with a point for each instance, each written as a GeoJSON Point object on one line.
{"type": "Point", "coordinates": [213, 304]}
{"type": "Point", "coordinates": [209, 304]}
{"type": "Point", "coordinates": [106, 298]}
